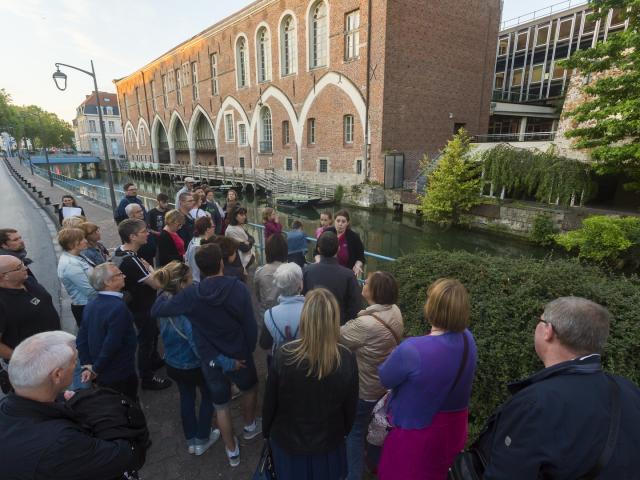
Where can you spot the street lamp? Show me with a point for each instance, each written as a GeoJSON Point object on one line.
{"type": "Point", "coordinates": [60, 79]}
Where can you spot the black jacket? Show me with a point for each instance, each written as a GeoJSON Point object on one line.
{"type": "Point", "coordinates": [41, 441]}
{"type": "Point", "coordinates": [305, 415]}
{"type": "Point", "coordinates": [338, 280]}
{"type": "Point", "coordinates": [167, 250]}
{"type": "Point", "coordinates": [556, 423]}
{"type": "Point", "coordinates": [354, 244]}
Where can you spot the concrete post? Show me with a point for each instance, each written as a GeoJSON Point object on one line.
{"type": "Point", "coordinates": [523, 129]}
{"type": "Point", "coordinates": [172, 155]}
{"type": "Point", "coordinates": [192, 156]}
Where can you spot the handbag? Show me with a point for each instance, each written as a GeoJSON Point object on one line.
{"type": "Point", "coordinates": [471, 464]}
{"type": "Point", "coordinates": [265, 469]}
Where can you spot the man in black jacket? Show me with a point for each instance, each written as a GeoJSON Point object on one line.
{"type": "Point", "coordinates": [329, 274]}
{"type": "Point", "coordinates": [39, 437]}
{"type": "Point", "coordinates": [557, 422]}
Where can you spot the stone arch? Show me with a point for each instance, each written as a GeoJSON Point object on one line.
{"type": "Point", "coordinates": [143, 123]}
{"type": "Point", "coordinates": [231, 102]}
{"type": "Point", "coordinates": [277, 94]}
{"type": "Point", "coordinates": [198, 112]}
{"type": "Point", "coordinates": [175, 122]}
{"type": "Point", "coordinates": [128, 127]}
{"type": "Point", "coordinates": [158, 130]}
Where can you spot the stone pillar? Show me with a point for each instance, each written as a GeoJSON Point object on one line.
{"type": "Point", "coordinates": [523, 129]}
{"type": "Point", "coordinates": [192, 156]}
{"type": "Point", "coordinates": [172, 155]}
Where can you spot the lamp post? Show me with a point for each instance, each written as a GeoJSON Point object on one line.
{"type": "Point", "coordinates": [59, 76]}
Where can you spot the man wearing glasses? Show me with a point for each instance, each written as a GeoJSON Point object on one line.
{"type": "Point", "coordinates": [569, 420]}
{"type": "Point", "coordinates": [131, 196]}
{"type": "Point", "coordinates": [11, 243]}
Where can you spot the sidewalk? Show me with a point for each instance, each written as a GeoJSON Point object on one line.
{"type": "Point", "coordinates": [168, 458]}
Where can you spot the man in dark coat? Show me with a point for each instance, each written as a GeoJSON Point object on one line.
{"type": "Point", "coordinates": [557, 422]}
{"type": "Point", "coordinates": [339, 280]}
{"type": "Point", "coordinates": [131, 196]}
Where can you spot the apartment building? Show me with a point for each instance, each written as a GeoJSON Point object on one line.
{"type": "Point", "coordinates": [86, 126]}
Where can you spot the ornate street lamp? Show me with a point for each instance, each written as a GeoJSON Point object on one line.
{"type": "Point", "coordinates": [60, 79]}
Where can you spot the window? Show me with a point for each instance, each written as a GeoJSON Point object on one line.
{"type": "Point", "coordinates": [359, 167]}
{"type": "Point", "coordinates": [522, 41]}
{"type": "Point", "coordinates": [543, 36]}
{"type": "Point", "coordinates": [348, 128]}
{"type": "Point", "coordinates": [242, 134]}
{"type": "Point", "coordinates": [186, 70]}
{"type": "Point", "coordinates": [536, 73]}
{"type": "Point", "coordinates": [241, 62]}
{"type": "Point", "coordinates": [92, 125]}
{"type": "Point", "coordinates": [618, 17]}
{"type": "Point", "coordinates": [288, 164]}
{"type": "Point", "coordinates": [94, 146]}
{"type": "Point", "coordinates": [194, 80]}
{"type": "Point", "coordinates": [352, 35]}
{"type": "Point", "coordinates": [285, 132]}
{"type": "Point", "coordinates": [503, 46]}
{"type": "Point", "coordinates": [287, 46]}
{"type": "Point", "coordinates": [558, 72]}
{"type": "Point", "coordinates": [323, 165]}
{"type": "Point", "coordinates": [499, 84]}
{"type": "Point", "coordinates": [228, 127]}
{"type": "Point", "coordinates": [112, 127]}
{"type": "Point", "coordinates": [126, 105]}
{"type": "Point", "coordinates": [141, 137]}
{"type": "Point", "coordinates": [109, 109]}
{"type": "Point", "coordinates": [318, 35]}
{"type": "Point", "coordinates": [114, 147]}
{"type": "Point", "coordinates": [241, 162]}
{"type": "Point", "coordinates": [214, 74]}
{"type": "Point", "coordinates": [311, 131]}
{"type": "Point", "coordinates": [263, 45]}
{"type": "Point", "coordinates": [154, 101]}
{"type": "Point", "coordinates": [138, 100]}
{"type": "Point", "coordinates": [564, 31]}
{"type": "Point", "coordinates": [179, 86]}
{"type": "Point", "coordinates": [266, 144]}
{"type": "Point", "coordinates": [589, 25]}
{"type": "Point", "coordinates": [165, 91]}
{"type": "Point", "coordinates": [516, 79]}
{"type": "Point", "coordinates": [222, 161]}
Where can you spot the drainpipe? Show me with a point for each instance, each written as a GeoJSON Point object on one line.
{"type": "Point", "coordinates": [365, 160]}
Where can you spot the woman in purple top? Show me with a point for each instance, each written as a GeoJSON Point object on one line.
{"type": "Point", "coordinates": [431, 379]}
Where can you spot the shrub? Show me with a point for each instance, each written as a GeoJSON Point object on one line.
{"type": "Point", "coordinates": [338, 194]}
{"type": "Point", "coordinates": [543, 230]}
{"type": "Point", "coordinates": [508, 296]}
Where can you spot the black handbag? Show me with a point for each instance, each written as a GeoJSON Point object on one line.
{"type": "Point", "coordinates": [265, 469]}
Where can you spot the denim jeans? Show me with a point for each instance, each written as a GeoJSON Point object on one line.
{"type": "Point", "coordinates": [355, 439]}
{"type": "Point", "coordinates": [198, 427]}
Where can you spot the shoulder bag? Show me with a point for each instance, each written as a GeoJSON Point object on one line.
{"type": "Point", "coordinates": [265, 469]}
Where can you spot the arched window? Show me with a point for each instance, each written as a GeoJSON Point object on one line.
{"type": "Point", "coordinates": [242, 60]}
{"type": "Point", "coordinates": [287, 46]}
{"type": "Point", "coordinates": [266, 136]}
{"type": "Point", "coordinates": [318, 35]}
{"type": "Point", "coordinates": [263, 45]}
{"type": "Point", "coordinates": [141, 137]}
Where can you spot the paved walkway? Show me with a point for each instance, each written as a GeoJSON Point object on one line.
{"type": "Point", "coordinates": [168, 458]}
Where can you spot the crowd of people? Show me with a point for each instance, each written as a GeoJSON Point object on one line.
{"type": "Point", "coordinates": [345, 391]}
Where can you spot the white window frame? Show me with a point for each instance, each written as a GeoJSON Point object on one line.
{"type": "Point", "coordinates": [526, 34]}
{"type": "Point", "coordinates": [506, 50]}
{"type": "Point", "coordinates": [559, 28]}
{"type": "Point", "coordinates": [311, 131]}
{"type": "Point", "coordinates": [179, 82]}
{"type": "Point", "coordinates": [92, 126]}
{"type": "Point", "coordinates": [242, 63]}
{"type": "Point", "coordinates": [320, 160]}
{"type": "Point", "coordinates": [194, 80]}
{"type": "Point", "coordinates": [540, 29]}
{"type": "Point", "coordinates": [138, 103]}
{"type": "Point", "coordinates": [532, 77]}
{"type": "Point", "coordinates": [348, 122]}
{"type": "Point", "coordinates": [513, 76]}
{"type": "Point", "coordinates": [165, 90]}
{"type": "Point", "coordinates": [263, 53]}
{"type": "Point", "coordinates": [288, 162]}
{"type": "Point", "coordinates": [112, 126]}
{"type": "Point", "coordinates": [286, 133]}
{"type": "Point", "coordinates": [142, 138]}
{"type": "Point", "coordinates": [352, 35]}
{"type": "Point", "coordinates": [266, 134]}
{"type": "Point", "coordinates": [154, 101]}
{"type": "Point", "coordinates": [213, 59]}
{"type": "Point", "coordinates": [288, 44]}
{"type": "Point", "coordinates": [242, 162]}
{"type": "Point", "coordinates": [221, 160]}
{"type": "Point", "coordinates": [242, 134]}
{"type": "Point", "coordinates": [358, 166]}
{"type": "Point", "coordinates": [318, 52]}
{"type": "Point", "coordinates": [229, 131]}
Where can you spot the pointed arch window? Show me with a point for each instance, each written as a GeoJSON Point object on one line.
{"type": "Point", "coordinates": [263, 44]}
{"type": "Point", "coordinates": [242, 62]}
{"type": "Point", "coordinates": [288, 46]}
{"type": "Point", "coordinates": [266, 134]}
{"type": "Point", "coordinates": [318, 35]}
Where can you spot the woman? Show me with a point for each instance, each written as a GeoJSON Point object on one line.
{"type": "Point", "coordinates": [326, 221]}
{"type": "Point", "coordinates": [350, 248]}
{"type": "Point", "coordinates": [282, 322]}
{"type": "Point", "coordinates": [203, 230]}
{"type": "Point", "coordinates": [311, 396]}
{"type": "Point", "coordinates": [266, 291]}
{"type": "Point", "coordinates": [69, 202]}
{"type": "Point", "coordinates": [271, 224]}
{"type": "Point", "coordinates": [183, 364]}
{"type": "Point", "coordinates": [431, 378]}
{"type": "Point", "coordinates": [197, 211]}
{"type": "Point", "coordinates": [74, 270]}
{"type": "Point", "coordinates": [372, 335]}
{"type": "Point", "coordinates": [231, 204]}
{"type": "Point", "coordinates": [215, 210]}
{"type": "Point", "coordinates": [170, 244]}
{"type": "Point", "coordinates": [95, 252]}
{"type": "Point", "coordinates": [237, 231]}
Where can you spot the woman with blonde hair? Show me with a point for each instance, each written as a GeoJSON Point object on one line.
{"type": "Point", "coordinates": [183, 364]}
{"type": "Point", "coordinates": [311, 396]}
{"type": "Point", "coordinates": [430, 377]}
{"type": "Point", "coordinates": [95, 252]}
{"type": "Point", "coordinates": [170, 245]}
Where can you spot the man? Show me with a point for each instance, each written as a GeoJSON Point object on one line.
{"type": "Point", "coordinates": [26, 308]}
{"type": "Point", "coordinates": [148, 250]}
{"type": "Point", "coordinates": [141, 292]}
{"type": "Point", "coordinates": [157, 214]}
{"type": "Point", "coordinates": [339, 280]}
{"type": "Point", "coordinates": [107, 339]}
{"type": "Point", "coordinates": [225, 334]}
{"type": "Point", "coordinates": [39, 437]}
{"type": "Point", "coordinates": [186, 204]}
{"type": "Point", "coordinates": [11, 243]}
{"type": "Point", "coordinates": [131, 196]}
{"type": "Point", "coordinates": [557, 422]}
{"type": "Point", "coordinates": [187, 188]}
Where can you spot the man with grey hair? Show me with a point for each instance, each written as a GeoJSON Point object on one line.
{"type": "Point", "coordinates": [282, 322]}
{"type": "Point", "coordinates": [187, 188]}
{"type": "Point", "coordinates": [107, 338]}
{"type": "Point", "coordinates": [39, 437]}
{"type": "Point", "coordinates": [569, 420]}
{"type": "Point", "coordinates": [149, 250]}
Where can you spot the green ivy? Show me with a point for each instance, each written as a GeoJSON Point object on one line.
{"type": "Point", "coordinates": [543, 230]}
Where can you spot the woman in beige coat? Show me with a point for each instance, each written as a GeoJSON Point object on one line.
{"type": "Point", "coordinates": [372, 335]}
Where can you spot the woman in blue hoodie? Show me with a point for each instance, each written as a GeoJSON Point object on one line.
{"type": "Point", "coordinates": [183, 364]}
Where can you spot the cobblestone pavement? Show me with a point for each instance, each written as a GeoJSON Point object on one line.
{"type": "Point", "coordinates": [168, 458]}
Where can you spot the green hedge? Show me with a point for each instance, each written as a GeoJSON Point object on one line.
{"type": "Point", "coordinates": [507, 298]}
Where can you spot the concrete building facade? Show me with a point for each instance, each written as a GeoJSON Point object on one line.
{"type": "Point", "coordinates": [338, 90]}
{"type": "Point", "coordinates": [86, 126]}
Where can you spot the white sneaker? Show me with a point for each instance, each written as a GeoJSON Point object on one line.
{"type": "Point", "coordinates": [213, 438]}
{"type": "Point", "coordinates": [250, 434]}
{"type": "Point", "coordinates": [234, 457]}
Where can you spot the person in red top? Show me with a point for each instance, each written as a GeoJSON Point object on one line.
{"type": "Point", "coordinates": [272, 225]}
{"type": "Point", "coordinates": [170, 244]}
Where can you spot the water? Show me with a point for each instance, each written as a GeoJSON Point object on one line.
{"type": "Point", "coordinates": [382, 232]}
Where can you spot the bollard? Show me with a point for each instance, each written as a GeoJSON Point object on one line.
{"type": "Point", "coordinates": [47, 201]}
{"type": "Point", "coordinates": [34, 188]}
{"type": "Point", "coordinates": [39, 194]}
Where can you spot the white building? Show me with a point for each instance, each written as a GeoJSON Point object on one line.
{"type": "Point", "coordinates": [87, 130]}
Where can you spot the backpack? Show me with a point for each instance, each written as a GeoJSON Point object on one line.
{"type": "Point", "coordinates": [287, 335]}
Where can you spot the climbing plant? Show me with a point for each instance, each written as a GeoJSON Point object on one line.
{"type": "Point", "coordinates": [544, 175]}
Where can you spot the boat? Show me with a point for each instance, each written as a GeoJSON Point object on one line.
{"type": "Point", "coordinates": [295, 200]}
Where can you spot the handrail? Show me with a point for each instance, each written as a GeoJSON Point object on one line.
{"type": "Point", "coordinates": [513, 137]}
{"type": "Point", "coordinates": [531, 16]}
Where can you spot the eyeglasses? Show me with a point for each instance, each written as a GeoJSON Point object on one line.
{"type": "Point", "coordinates": [17, 269]}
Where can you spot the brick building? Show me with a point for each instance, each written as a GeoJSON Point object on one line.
{"type": "Point", "coordinates": [86, 125]}
{"type": "Point", "coordinates": [295, 85]}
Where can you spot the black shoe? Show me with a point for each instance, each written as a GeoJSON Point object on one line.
{"type": "Point", "coordinates": [156, 383]}
{"type": "Point", "coordinates": [157, 364]}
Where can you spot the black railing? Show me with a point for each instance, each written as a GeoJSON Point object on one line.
{"type": "Point", "coordinates": [182, 145]}
{"type": "Point", "coordinates": [206, 144]}
{"type": "Point", "coordinates": [266, 147]}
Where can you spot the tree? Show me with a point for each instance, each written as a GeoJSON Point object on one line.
{"type": "Point", "coordinates": [6, 109]}
{"type": "Point", "coordinates": [609, 122]}
{"type": "Point", "coordinates": [45, 129]}
{"type": "Point", "coordinates": [454, 186]}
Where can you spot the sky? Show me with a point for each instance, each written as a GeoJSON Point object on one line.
{"type": "Point", "coordinates": [119, 36]}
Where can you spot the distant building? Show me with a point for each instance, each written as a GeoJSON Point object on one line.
{"type": "Point", "coordinates": [302, 86]}
{"type": "Point", "coordinates": [86, 126]}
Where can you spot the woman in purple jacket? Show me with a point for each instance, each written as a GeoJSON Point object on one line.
{"type": "Point", "coordinates": [431, 378]}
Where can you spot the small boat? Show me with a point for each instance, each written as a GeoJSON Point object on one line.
{"type": "Point", "coordinates": [296, 200]}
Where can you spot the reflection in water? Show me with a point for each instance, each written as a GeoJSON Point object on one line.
{"type": "Point", "coordinates": [382, 232]}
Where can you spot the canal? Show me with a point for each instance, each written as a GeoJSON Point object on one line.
{"type": "Point", "coordinates": [382, 232]}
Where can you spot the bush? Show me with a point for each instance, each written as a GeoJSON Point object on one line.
{"type": "Point", "coordinates": [338, 194]}
{"type": "Point", "coordinates": [507, 298]}
{"type": "Point", "coordinates": [543, 230]}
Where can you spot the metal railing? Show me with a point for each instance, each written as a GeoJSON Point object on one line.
{"type": "Point", "coordinates": [181, 145]}
{"type": "Point", "coordinates": [206, 144]}
{"type": "Point", "coordinates": [514, 137]}
{"type": "Point", "coordinates": [540, 13]}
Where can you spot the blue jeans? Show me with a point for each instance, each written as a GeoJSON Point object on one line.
{"type": "Point", "coordinates": [188, 381]}
{"type": "Point", "coordinates": [355, 439]}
